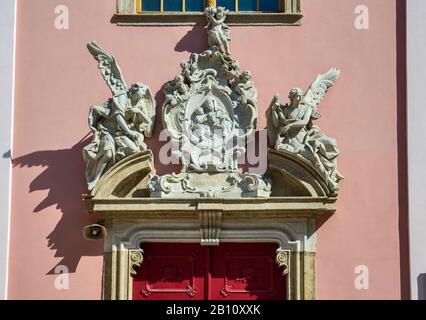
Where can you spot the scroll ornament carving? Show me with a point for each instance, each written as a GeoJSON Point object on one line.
{"type": "Point", "coordinates": [283, 260]}
{"type": "Point", "coordinates": [120, 124]}
{"type": "Point", "coordinates": [291, 128]}
{"type": "Point", "coordinates": [135, 261]}
{"type": "Point", "coordinates": [210, 110]}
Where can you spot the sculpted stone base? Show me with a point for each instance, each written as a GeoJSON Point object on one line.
{"type": "Point", "coordinates": [209, 185]}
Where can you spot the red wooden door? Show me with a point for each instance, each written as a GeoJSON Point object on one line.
{"type": "Point", "coordinates": [171, 272]}
{"type": "Point", "coordinates": [193, 272]}
{"type": "Point", "coordinates": [246, 272]}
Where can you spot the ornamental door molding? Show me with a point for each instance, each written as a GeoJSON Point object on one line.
{"type": "Point", "coordinates": [210, 112]}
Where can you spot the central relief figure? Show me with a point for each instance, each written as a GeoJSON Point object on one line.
{"type": "Point", "coordinates": [210, 113]}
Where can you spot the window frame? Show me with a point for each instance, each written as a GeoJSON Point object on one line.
{"type": "Point", "coordinates": [129, 12]}
{"type": "Point", "coordinates": [139, 9]}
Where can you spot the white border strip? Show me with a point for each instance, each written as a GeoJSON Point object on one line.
{"type": "Point", "coordinates": [8, 10]}
{"type": "Point", "coordinates": [416, 117]}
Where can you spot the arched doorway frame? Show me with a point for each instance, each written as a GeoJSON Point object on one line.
{"type": "Point", "coordinates": [287, 218]}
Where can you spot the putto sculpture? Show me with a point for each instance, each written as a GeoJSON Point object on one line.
{"type": "Point", "coordinates": [120, 124]}
{"type": "Point", "coordinates": [210, 111]}
{"type": "Point", "coordinates": [217, 31]}
{"type": "Point", "coordinates": [291, 128]}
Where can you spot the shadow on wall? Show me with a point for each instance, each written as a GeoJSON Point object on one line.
{"type": "Point", "coordinates": [7, 154]}
{"type": "Point", "coordinates": [65, 181]}
{"type": "Point", "coordinates": [188, 44]}
{"type": "Point", "coordinates": [421, 286]}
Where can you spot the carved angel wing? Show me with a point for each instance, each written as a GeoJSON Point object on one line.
{"type": "Point", "coordinates": [319, 88]}
{"type": "Point", "coordinates": [110, 70]}
{"type": "Point", "coordinates": [272, 125]}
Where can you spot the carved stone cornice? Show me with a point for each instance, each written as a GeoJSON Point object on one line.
{"type": "Point", "coordinates": [295, 207]}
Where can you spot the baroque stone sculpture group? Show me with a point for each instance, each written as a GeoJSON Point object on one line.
{"type": "Point", "coordinates": [208, 110]}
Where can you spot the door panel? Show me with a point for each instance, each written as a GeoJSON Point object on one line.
{"type": "Point", "coordinates": [193, 272]}
{"type": "Point", "coordinates": [171, 272]}
{"type": "Point", "coordinates": [246, 272]}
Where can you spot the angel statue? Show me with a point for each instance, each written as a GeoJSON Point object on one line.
{"type": "Point", "coordinates": [291, 128]}
{"type": "Point", "coordinates": [120, 124]}
{"type": "Point", "coordinates": [218, 32]}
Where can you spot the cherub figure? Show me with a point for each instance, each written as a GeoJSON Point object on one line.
{"type": "Point", "coordinates": [231, 68]}
{"type": "Point", "coordinates": [291, 128]}
{"type": "Point", "coordinates": [120, 124]}
{"type": "Point", "coordinates": [218, 32]}
{"type": "Point", "coordinates": [245, 90]}
{"type": "Point", "coordinates": [177, 91]}
{"type": "Point", "coordinates": [246, 95]}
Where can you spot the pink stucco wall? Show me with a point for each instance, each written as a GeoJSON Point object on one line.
{"type": "Point", "coordinates": [57, 80]}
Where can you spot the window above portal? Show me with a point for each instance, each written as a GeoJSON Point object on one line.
{"type": "Point", "coordinates": [189, 12]}
{"type": "Point", "coordinates": [182, 6]}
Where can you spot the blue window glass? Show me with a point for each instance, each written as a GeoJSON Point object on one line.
{"type": "Point", "coordinates": [247, 5]}
{"type": "Point", "coordinates": [269, 5]}
{"type": "Point", "coordinates": [151, 5]}
{"type": "Point", "coordinates": [194, 5]}
{"type": "Point", "coordinates": [172, 5]}
{"type": "Point", "coordinates": [228, 4]}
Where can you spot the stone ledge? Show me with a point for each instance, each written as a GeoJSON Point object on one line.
{"type": "Point", "coordinates": [298, 207]}
{"type": "Point", "coordinates": [176, 19]}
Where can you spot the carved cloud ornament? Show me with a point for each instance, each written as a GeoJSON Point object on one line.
{"type": "Point", "coordinates": [120, 124]}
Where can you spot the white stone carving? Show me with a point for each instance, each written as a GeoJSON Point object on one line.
{"type": "Point", "coordinates": [218, 32]}
{"type": "Point", "coordinates": [120, 124]}
{"type": "Point", "coordinates": [135, 260]}
{"type": "Point", "coordinates": [225, 185]}
{"type": "Point", "coordinates": [291, 128]}
{"type": "Point", "coordinates": [210, 112]}
{"type": "Point", "coordinates": [210, 227]}
{"type": "Point", "coordinates": [283, 260]}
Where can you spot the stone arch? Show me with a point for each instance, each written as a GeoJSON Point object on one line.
{"type": "Point", "coordinates": [126, 179]}
{"type": "Point", "coordinates": [293, 176]}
